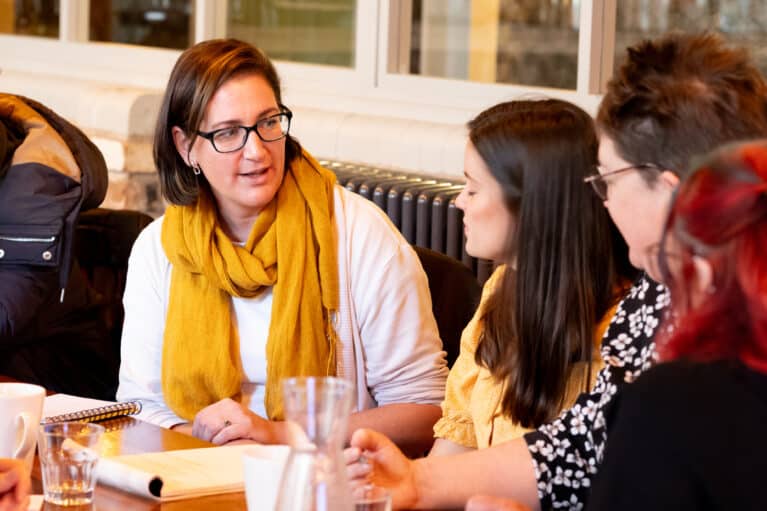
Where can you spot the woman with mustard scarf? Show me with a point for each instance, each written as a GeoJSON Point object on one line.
{"type": "Point", "coordinates": [263, 268]}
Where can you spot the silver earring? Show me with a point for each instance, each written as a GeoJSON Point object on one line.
{"type": "Point", "coordinates": [196, 169]}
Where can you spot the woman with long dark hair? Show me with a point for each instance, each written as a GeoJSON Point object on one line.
{"type": "Point", "coordinates": [530, 348]}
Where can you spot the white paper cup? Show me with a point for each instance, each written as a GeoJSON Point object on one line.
{"type": "Point", "coordinates": [263, 467]}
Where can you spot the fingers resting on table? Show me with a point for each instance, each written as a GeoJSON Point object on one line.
{"type": "Point", "coordinates": [228, 420]}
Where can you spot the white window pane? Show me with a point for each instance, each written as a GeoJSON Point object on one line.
{"type": "Point", "coordinates": [743, 22]}
{"type": "Point", "coordinates": [496, 41]}
{"type": "Point", "coordinates": [30, 17]}
{"type": "Point", "coordinates": [310, 31]}
{"type": "Point", "coordinates": [161, 23]}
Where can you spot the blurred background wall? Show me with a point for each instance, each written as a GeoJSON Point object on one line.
{"type": "Point", "coordinates": [381, 82]}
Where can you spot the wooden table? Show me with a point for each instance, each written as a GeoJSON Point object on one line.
{"type": "Point", "coordinates": [132, 436]}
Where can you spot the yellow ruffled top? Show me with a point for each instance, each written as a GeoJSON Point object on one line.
{"type": "Point", "coordinates": [471, 411]}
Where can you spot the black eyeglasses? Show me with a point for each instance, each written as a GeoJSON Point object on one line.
{"type": "Point", "coordinates": [234, 138]}
{"type": "Point", "coordinates": [598, 181]}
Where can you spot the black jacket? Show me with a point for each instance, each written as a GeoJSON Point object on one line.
{"type": "Point", "coordinates": [50, 328]}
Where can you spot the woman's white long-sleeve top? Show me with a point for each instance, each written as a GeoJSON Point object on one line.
{"type": "Point", "coordinates": [389, 344]}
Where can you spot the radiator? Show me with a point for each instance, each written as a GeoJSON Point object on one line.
{"type": "Point", "coordinates": [421, 206]}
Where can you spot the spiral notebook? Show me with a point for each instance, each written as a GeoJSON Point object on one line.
{"type": "Point", "coordinates": [175, 475]}
{"type": "Point", "coordinates": [65, 407]}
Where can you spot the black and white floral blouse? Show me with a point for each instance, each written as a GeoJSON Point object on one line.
{"type": "Point", "coordinates": [567, 452]}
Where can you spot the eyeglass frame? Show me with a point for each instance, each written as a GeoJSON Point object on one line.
{"type": "Point", "coordinates": [599, 176]}
{"type": "Point", "coordinates": [210, 135]}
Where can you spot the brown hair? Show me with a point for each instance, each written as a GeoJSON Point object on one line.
{"type": "Point", "coordinates": [680, 96]}
{"type": "Point", "coordinates": [199, 72]}
{"type": "Point", "coordinates": [570, 259]}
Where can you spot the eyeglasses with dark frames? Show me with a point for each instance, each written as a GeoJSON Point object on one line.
{"type": "Point", "coordinates": [234, 138]}
{"type": "Point", "coordinates": [598, 181]}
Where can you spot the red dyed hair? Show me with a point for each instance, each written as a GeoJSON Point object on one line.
{"type": "Point", "coordinates": [720, 214]}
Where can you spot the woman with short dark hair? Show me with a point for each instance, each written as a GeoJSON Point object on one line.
{"type": "Point", "coordinates": [691, 430]}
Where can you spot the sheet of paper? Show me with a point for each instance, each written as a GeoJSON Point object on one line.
{"type": "Point", "coordinates": [175, 475]}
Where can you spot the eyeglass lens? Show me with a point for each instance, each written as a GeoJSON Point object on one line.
{"type": "Point", "coordinates": [600, 188]}
{"type": "Point", "coordinates": [269, 129]}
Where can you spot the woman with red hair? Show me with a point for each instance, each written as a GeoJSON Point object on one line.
{"type": "Point", "coordinates": [689, 434]}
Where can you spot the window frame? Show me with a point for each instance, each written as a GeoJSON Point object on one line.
{"type": "Point", "coordinates": [596, 37]}
{"type": "Point", "coordinates": [372, 86]}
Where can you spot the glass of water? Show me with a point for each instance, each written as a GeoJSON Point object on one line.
{"type": "Point", "coordinates": [69, 452]}
{"type": "Point", "coordinates": [371, 498]}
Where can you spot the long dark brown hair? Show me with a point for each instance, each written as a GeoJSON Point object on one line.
{"type": "Point", "coordinates": [569, 258]}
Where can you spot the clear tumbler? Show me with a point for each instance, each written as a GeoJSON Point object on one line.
{"type": "Point", "coordinates": [69, 452]}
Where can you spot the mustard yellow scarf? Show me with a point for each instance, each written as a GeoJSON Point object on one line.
{"type": "Point", "coordinates": [292, 247]}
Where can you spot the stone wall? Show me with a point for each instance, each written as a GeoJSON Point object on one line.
{"type": "Point", "coordinates": [120, 120]}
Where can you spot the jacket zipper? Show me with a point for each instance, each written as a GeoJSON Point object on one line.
{"type": "Point", "coordinates": [16, 239]}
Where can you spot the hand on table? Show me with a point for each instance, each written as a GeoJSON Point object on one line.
{"type": "Point", "coordinates": [14, 486]}
{"type": "Point", "coordinates": [228, 420]}
{"type": "Point", "coordinates": [384, 465]}
{"type": "Point", "coordinates": [485, 503]}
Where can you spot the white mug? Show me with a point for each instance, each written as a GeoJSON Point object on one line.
{"type": "Point", "coordinates": [21, 405]}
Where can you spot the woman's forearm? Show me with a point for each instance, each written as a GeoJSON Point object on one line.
{"type": "Point", "coordinates": [444, 447]}
{"type": "Point", "coordinates": [183, 427]}
{"type": "Point", "coordinates": [505, 470]}
{"type": "Point", "coordinates": [408, 425]}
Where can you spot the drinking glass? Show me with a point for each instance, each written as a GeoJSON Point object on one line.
{"type": "Point", "coordinates": [317, 410]}
{"type": "Point", "coordinates": [372, 498]}
{"type": "Point", "coordinates": [69, 452]}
